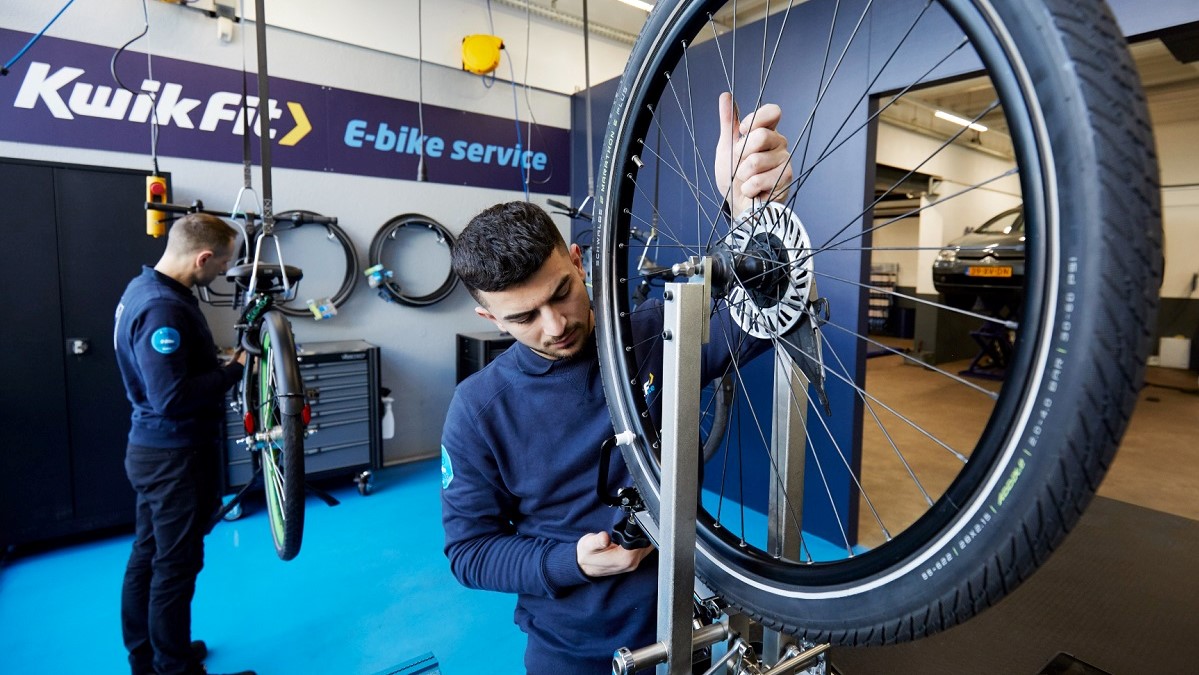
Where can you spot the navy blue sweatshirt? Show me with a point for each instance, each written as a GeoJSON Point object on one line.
{"type": "Point", "coordinates": [168, 361]}
{"type": "Point", "coordinates": [519, 465]}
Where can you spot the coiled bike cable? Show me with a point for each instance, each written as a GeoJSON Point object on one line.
{"type": "Point", "coordinates": [389, 289]}
{"type": "Point", "coordinates": [290, 220]}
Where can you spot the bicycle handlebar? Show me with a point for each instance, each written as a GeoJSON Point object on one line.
{"type": "Point", "coordinates": [568, 210]}
{"type": "Point", "coordinates": [294, 217]}
{"type": "Point", "coordinates": [304, 218]}
{"type": "Point", "coordinates": [196, 207]}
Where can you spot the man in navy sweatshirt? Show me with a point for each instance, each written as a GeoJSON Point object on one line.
{"type": "Point", "coordinates": [172, 377]}
{"type": "Point", "coordinates": [519, 502]}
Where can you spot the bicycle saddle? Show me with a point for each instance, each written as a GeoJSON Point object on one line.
{"type": "Point", "coordinates": [270, 277]}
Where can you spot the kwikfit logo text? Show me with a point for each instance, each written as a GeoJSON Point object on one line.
{"type": "Point", "coordinates": [66, 96]}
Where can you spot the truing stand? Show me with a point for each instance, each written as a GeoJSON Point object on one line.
{"type": "Point", "coordinates": [685, 329]}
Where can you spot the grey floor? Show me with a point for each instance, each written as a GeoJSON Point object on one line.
{"type": "Point", "coordinates": [1121, 594]}
{"type": "Point", "coordinates": [371, 588]}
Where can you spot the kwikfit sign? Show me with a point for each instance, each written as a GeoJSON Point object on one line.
{"type": "Point", "coordinates": [62, 94]}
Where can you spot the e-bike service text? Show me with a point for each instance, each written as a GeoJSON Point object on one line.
{"type": "Point", "coordinates": [408, 140]}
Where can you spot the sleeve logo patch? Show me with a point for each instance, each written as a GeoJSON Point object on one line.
{"type": "Point", "coordinates": [447, 469]}
{"type": "Point", "coordinates": [165, 340]}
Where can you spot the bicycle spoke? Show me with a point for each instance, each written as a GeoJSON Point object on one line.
{"type": "Point", "coordinates": [1006, 323]}
{"type": "Point", "coordinates": [837, 479]}
{"type": "Point", "coordinates": [908, 357]}
{"type": "Point", "coordinates": [913, 424]}
{"type": "Point", "coordinates": [677, 168]}
{"type": "Point", "coordinates": [911, 172]}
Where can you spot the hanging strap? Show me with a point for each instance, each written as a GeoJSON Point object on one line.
{"type": "Point", "coordinates": [247, 177]}
{"type": "Point", "coordinates": [264, 117]}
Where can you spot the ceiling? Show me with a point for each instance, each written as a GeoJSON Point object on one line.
{"type": "Point", "coordinates": [1171, 86]}
{"type": "Point", "coordinates": [612, 18]}
{"type": "Point", "coordinates": [1171, 89]}
{"type": "Point", "coordinates": [621, 18]}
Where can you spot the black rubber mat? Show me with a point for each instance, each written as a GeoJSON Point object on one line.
{"type": "Point", "coordinates": [1064, 664]}
{"type": "Point", "coordinates": [1121, 595]}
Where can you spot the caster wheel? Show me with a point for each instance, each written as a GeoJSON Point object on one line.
{"type": "Point", "coordinates": [366, 483]}
{"type": "Point", "coordinates": [233, 513]}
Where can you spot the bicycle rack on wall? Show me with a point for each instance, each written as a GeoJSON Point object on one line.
{"type": "Point", "coordinates": [384, 280]}
{"type": "Point", "coordinates": [321, 308]}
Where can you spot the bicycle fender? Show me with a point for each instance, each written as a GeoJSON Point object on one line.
{"type": "Point", "coordinates": [283, 354]}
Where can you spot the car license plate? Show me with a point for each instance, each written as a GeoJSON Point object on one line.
{"type": "Point", "coordinates": [988, 271]}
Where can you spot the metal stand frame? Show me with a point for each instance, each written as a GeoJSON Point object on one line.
{"type": "Point", "coordinates": [684, 333]}
{"type": "Point", "coordinates": [685, 330]}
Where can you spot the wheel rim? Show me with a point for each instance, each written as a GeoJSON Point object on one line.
{"type": "Point", "coordinates": [332, 234]}
{"type": "Point", "coordinates": [404, 287]}
{"type": "Point", "coordinates": [269, 415]}
{"type": "Point", "coordinates": [625, 205]}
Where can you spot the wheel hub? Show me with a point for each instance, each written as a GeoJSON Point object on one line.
{"type": "Point", "coordinates": [763, 267]}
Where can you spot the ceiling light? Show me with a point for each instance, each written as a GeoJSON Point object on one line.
{"type": "Point", "coordinates": [644, 6]}
{"type": "Point", "coordinates": [959, 120]}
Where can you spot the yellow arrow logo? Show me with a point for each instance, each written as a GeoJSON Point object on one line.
{"type": "Point", "coordinates": [302, 125]}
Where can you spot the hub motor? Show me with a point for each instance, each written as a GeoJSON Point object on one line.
{"type": "Point", "coordinates": [763, 267]}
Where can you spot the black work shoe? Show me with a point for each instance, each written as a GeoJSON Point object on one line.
{"type": "Point", "coordinates": [199, 650]}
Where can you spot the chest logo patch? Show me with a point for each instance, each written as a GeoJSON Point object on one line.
{"type": "Point", "coordinates": [165, 340]}
{"type": "Point", "coordinates": [447, 469]}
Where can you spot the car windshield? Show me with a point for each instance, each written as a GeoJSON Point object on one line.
{"type": "Point", "coordinates": [1004, 223]}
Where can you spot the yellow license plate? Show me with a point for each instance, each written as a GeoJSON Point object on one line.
{"type": "Point", "coordinates": [988, 271]}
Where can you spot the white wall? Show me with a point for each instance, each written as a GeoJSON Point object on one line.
{"type": "Point", "coordinates": [1178, 158]}
{"type": "Point", "coordinates": [1177, 148]}
{"type": "Point", "coordinates": [958, 167]}
{"type": "Point", "coordinates": [553, 51]}
{"type": "Point", "coordinates": [417, 344]}
{"type": "Point", "coordinates": [897, 235]}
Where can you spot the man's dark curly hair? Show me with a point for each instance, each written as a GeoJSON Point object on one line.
{"type": "Point", "coordinates": [503, 246]}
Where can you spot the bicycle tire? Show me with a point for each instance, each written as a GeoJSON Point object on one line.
{"type": "Point", "coordinates": [394, 290]}
{"type": "Point", "coordinates": [348, 283]}
{"type": "Point", "coordinates": [714, 414]}
{"type": "Point", "coordinates": [1091, 295]}
{"type": "Point", "coordinates": [280, 399]}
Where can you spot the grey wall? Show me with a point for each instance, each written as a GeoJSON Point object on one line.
{"type": "Point", "coordinates": [417, 344]}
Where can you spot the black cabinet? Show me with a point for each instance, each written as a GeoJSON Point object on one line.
{"type": "Point", "coordinates": [476, 350]}
{"type": "Point", "coordinates": [341, 383]}
{"type": "Point", "coordinates": [75, 237]}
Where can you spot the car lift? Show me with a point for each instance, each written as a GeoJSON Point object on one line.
{"type": "Point", "coordinates": [994, 338]}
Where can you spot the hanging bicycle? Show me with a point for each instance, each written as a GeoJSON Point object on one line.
{"type": "Point", "coordinates": [909, 520]}
{"type": "Point", "coordinates": [271, 397]}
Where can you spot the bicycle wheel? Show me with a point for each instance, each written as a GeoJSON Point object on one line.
{"type": "Point", "coordinates": [399, 289]}
{"type": "Point", "coordinates": [909, 517]}
{"type": "Point", "coordinates": [279, 417]}
{"type": "Point", "coordinates": [333, 234]}
{"type": "Point", "coordinates": [717, 400]}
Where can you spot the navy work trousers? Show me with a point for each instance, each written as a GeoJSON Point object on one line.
{"type": "Point", "coordinates": [177, 495]}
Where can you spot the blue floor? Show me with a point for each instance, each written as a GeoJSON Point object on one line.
{"type": "Point", "coordinates": [370, 589]}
